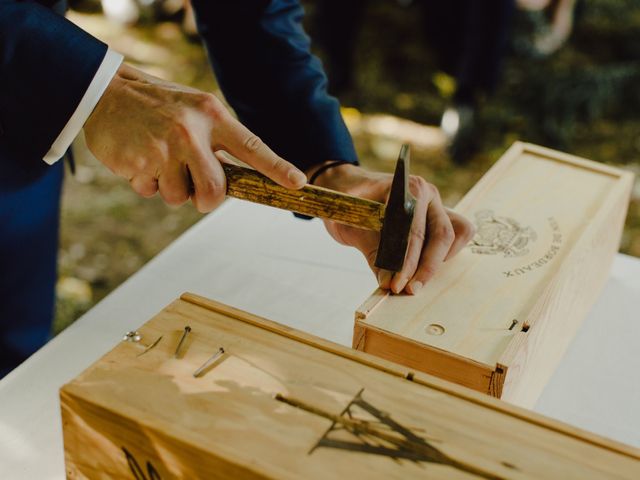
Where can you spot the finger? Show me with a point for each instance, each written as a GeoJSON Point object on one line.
{"type": "Point", "coordinates": [239, 141]}
{"type": "Point", "coordinates": [209, 182]}
{"type": "Point", "coordinates": [367, 241]}
{"type": "Point", "coordinates": [440, 238]}
{"type": "Point", "coordinates": [144, 185]}
{"type": "Point", "coordinates": [464, 232]}
{"type": "Point", "coordinates": [173, 184]}
{"type": "Point", "coordinates": [416, 240]}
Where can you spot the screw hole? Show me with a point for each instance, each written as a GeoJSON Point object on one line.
{"type": "Point", "coordinates": [435, 329]}
{"type": "Point", "coordinates": [525, 328]}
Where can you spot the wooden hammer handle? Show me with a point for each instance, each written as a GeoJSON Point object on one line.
{"type": "Point", "coordinates": [247, 184]}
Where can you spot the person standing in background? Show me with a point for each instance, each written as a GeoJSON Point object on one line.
{"type": "Point", "coordinates": [469, 38]}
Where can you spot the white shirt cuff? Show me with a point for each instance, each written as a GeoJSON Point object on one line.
{"type": "Point", "coordinates": [101, 80]}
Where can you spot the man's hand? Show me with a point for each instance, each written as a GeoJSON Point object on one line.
{"type": "Point", "coordinates": [436, 234]}
{"type": "Point", "coordinates": [162, 136]}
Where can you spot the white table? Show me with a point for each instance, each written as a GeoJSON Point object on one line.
{"type": "Point", "coordinates": [267, 262]}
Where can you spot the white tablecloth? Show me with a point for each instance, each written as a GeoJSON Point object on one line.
{"type": "Point", "coordinates": [267, 262]}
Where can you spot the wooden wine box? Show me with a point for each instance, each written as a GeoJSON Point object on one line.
{"type": "Point", "coordinates": [281, 404]}
{"type": "Point", "coordinates": [499, 316]}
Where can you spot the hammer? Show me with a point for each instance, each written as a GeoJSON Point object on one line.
{"type": "Point", "coordinates": [393, 221]}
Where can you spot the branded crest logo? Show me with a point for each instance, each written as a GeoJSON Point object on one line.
{"type": "Point", "coordinates": [500, 235]}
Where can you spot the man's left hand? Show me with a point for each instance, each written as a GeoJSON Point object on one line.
{"type": "Point", "coordinates": [437, 233]}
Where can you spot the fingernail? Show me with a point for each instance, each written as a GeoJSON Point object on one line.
{"type": "Point", "coordinates": [399, 285]}
{"type": "Point", "coordinates": [415, 287]}
{"type": "Point", "coordinates": [297, 177]}
{"type": "Point", "coordinates": [384, 278]}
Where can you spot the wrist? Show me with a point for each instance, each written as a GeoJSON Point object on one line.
{"type": "Point", "coordinates": [331, 174]}
{"type": "Point", "coordinates": [103, 102]}
{"type": "Point", "coordinates": [124, 74]}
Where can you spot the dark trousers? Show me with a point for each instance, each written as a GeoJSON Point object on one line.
{"type": "Point", "coordinates": [29, 226]}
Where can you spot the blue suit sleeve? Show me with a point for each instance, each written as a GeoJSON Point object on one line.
{"type": "Point", "coordinates": [46, 65]}
{"type": "Point", "coordinates": [261, 57]}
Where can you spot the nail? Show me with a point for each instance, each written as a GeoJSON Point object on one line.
{"type": "Point", "coordinates": [297, 177]}
{"type": "Point", "coordinates": [415, 287]}
{"type": "Point", "coordinates": [187, 329]}
{"type": "Point", "coordinates": [209, 362]}
{"type": "Point", "coordinates": [149, 347]}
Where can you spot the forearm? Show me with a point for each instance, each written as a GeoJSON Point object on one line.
{"type": "Point", "coordinates": [261, 57]}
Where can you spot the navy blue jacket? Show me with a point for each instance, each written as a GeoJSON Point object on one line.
{"type": "Point", "coordinates": [258, 50]}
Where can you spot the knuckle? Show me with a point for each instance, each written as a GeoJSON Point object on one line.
{"type": "Point", "coordinates": [205, 189]}
{"type": "Point", "coordinates": [464, 229]}
{"type": "Point", "coordinates": [253, 143]}
{"type": "Point", "coordinates": [279, 165]}
{"type": "Point", "coordinates": [410, 267]}
{"type": "Point", "coordinates": [138, 163]}
{"type": "Point", "coordinates": [427, 272]}
{"type": "Point", "coordinates": [180, 130]}
{"type": "Point", "coordinates": [207, 202]}
{"type": "Point", "coordinates": [145, 194]}
{"type": "Point", "coordinates": [211, 188]}
{"type": "Point", "coordinates": [417, 185]}
{"type": "Point", "coordinates": [418, 232]}
{"type": "Point", "coordinates": [146, 189]}
{"type": "Point", "coordinates": [468, 231]}
{"type": "Point", "coordinates": [445, 233]}
{"type": "Point", "coordinates": [175, 197]}
{"type": "Point", "coordinates": [212, 106]}
{"type": "Point", "coordinates": [209, 192]}
{"type": "Point", "coordinates": [431, 190]}
{"type": "Point", "coordinates": [421, 188]}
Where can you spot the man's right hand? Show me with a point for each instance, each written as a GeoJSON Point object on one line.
{"type": "Point", "coordinates": [159, 135]}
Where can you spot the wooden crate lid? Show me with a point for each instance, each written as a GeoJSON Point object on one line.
{"type": "Point", "coordinates": [529, 209]}
{"type": "Point", "coordinates": [227, 423]}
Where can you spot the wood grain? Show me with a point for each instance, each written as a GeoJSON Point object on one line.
{"type": "Point", "coordinates": [414, 356]}
{"type": "Point", "coordinates": [575, 211]}
{"type": "Point", "coordinates": [247, 184]}
{"type": "Point", "coordinates": [227, 424]}
{"type": "Point", "coordinates": [533, 356]}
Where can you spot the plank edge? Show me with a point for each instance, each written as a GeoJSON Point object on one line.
{"type": "Point", "coordinates": [419, 377]}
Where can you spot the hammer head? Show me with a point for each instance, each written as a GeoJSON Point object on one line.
{"type": "Point", "coordinates": [396, 226]}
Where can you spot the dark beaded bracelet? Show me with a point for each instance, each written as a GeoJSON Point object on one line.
{"type": "Point", "coordinates": [326, 167]}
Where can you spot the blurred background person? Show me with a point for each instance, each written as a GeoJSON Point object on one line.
{"type": "Point", "coordinates": [468, 37]}
{"type": "Point", "coordinates": [552, 22]}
